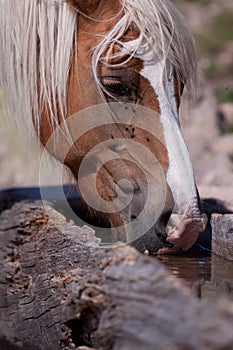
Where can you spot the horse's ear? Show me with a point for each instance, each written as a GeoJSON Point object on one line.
{"type": "Point", "coordinates": [84, 6]}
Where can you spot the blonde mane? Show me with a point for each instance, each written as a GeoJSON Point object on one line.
{"type": "Point", "coordinates": [38, 36]}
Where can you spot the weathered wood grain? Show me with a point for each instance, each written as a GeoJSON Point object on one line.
{"type": "Point", "coordinates": [58, 290]}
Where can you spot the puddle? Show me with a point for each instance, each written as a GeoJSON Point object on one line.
{"type": "Point", "coordinates": [207, 276]}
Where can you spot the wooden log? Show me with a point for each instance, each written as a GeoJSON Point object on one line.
{"type": "Point", "coordinates": [59, 290]}
{"type": "Point", "coordinates": [222, 235]}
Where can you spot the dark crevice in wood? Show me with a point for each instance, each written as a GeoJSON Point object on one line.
{"type": "Point", "coordinates": [83, 326]}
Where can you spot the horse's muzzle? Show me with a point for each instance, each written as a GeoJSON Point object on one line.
{"type": "Point", "coordinates": [145, 224]}
{"type": "Point", "coordinates": [170, 233]}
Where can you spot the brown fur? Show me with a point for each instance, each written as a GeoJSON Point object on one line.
{"type": "Point", "coordinates": [82, 93]}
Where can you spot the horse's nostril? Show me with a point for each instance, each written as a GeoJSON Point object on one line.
{"type": "Point", "coordinates": [136, 187]}
{"type": "Point", "coordinates": [126, 186]}
{"type": "Point", "coordinates": [133, 217]}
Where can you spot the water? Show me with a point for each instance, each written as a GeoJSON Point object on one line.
{"type": "Point", "coordinates": [207, 276]}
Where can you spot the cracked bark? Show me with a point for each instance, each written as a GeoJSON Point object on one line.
{"type": "Point", "coordinates": [58, 290]}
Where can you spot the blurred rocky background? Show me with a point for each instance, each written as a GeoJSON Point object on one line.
{"type": "Point", "coordinates": [207, 120]}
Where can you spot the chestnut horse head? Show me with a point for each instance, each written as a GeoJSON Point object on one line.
{"type": "Point", "coordinates": [100, 81]}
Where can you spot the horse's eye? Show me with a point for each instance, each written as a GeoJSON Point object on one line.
{"type": "Point", "coordinates": [114, 86]}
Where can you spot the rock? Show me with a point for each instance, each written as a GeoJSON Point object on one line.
{"type": "Point", "coordinates": [201, 131]}
{"type": "Point", "coordinates": [218, 170]}
{"type": "Point", "coordinates": [224, 144]}
{"type": "Point", "coordinates": [210, 151]}
{"type": "Point", "coordinates": [222, 235]}
{"type": "Point", "coordinates": [225, 116]}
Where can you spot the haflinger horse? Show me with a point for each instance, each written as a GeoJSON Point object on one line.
{"type": "Point", "coordinates": [129, 59]}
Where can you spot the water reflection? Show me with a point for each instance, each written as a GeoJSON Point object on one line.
{"type": "Point", "coordinates": [207, 276]}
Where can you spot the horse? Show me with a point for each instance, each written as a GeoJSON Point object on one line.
{"type": "Point", "coordinates": [83, 73]}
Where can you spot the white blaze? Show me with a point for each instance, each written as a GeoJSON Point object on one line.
{"type": "Point", "coordinates": [160, 74]}
{"type": "Point", "coordinates": [180, 173]}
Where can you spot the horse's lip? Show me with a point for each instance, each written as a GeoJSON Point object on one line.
{"type": "Point", "coordinates": [184, 235]}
